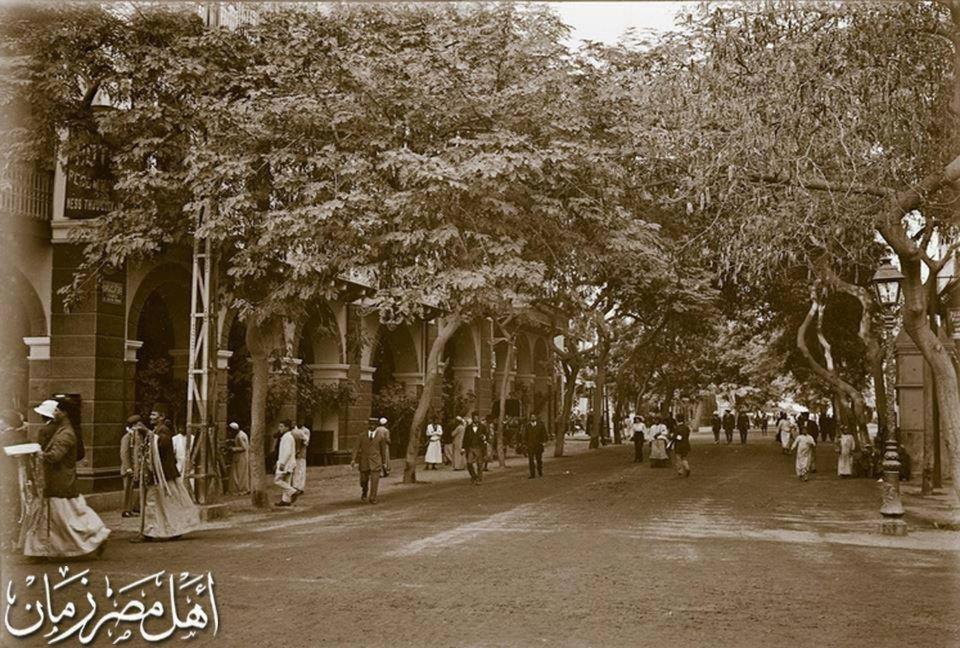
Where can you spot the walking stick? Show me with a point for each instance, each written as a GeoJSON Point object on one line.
{"type": "Point", "coordinates": [142, 490]}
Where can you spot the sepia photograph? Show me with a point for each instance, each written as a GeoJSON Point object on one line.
{"type": "Point", "coordinates": [485, 324]}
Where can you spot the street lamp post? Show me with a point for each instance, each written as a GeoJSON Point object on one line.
{"type": "Point", "coordinates": [886, 284]}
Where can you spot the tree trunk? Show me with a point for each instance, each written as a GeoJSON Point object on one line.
{"type": "Point", "coordinates": [260, 342]}
{"type": "Point", "coordinates": [569, 391]}
{"type": "Point", "coordinates": [598, 394]}
{"type": "Point", "coordinates": [917, 326]}
{"type": "Point", "coordinates": [504, 382]}
{"type": "Point", "coordinates": [446, 327]}
{"type": "Point", "coordinates": [832, 379]}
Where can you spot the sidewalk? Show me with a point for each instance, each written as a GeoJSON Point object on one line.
{"type": "Point", "coordinates": [940, 510]}
{"type": "Point", "coordinates": [329, 486]}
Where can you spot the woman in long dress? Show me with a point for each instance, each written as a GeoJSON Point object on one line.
{"type": "Point", "coordinates": [783, 433]}
{"type": "Point", "coordinates": [434, 448]}
{"type": "Point", "coordinates": [168, 512]}
{"type": "Point", "coordinates": [845, 445]}
{"type": "Point", "coordinates": [459, 463]}
{"type": "Point", "coordinates": [240, 466]}
{"type": "Point", "coordinates": [658, 451]}
{"type": "Point", "coordinates": [61, 525]}
{"type": "Point", "coordinates": [804, 446]}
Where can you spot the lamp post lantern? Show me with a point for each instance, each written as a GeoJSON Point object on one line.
{"type": "Point", "coordinates": [886, 285]}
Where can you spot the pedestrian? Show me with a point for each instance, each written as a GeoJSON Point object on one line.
{"type": "Point", "coordinates": [729, 422]}
{"type": "Point", "coordinates": [810, 425]}
{"type": "Point", "coordinates": [638, 438]}
{"type": "Point", "coordinates": [385, 460]}
{"type": "Point", "coordinates": [457, 436]}
{"type": "Point", "coordinates": [369, 454]}
{"type": "Point", "coordinates": [804, 446]}
{"type": "Point", "coordinates": [130, 446]}
{"type": "Point", "coordinates": [446, 440]}
{"type": "Point", "coordinates": [475, 447]}
{"type": "Point", "coordinates": [168, 511]}
{"type": "Point", "coordinates": [62, 526]}
{"type": "Point", "coordinates": [536, 435]}
{"type": "Point", "coordinates": [13, 431]}
{"type": "Point", "coordinates": [658, 450]}
{"type": "Point", "coordinates": [715, 425]}
{"type": "Point", "coordinates": [434, 456]}
{"type": "Point", "coordinates": [845, 447]}
{"type": "Point", "coordinates": [761, 422]}
{"type": "Point", "coordinates": [681, 447]}
{"type": "Point", "coordinates": [301, 438]}
{"type": "Point", "coordinates": [180, 450]}
{"type": "Point", "coordinates": [828, 427]}
{"type": "Point", "coordinates": [743, 426]}
{"type": "Point", "coordinates": [240, 461]}
{"type": "Point", "coordinates": [783, 433]}
{"type": "Point", "coordinates": [286, 464]}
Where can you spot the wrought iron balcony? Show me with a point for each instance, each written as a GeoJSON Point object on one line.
{"type": "Point", "coordinates": [26, 193]}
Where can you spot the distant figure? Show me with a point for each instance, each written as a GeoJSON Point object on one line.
{"type": "Point", "coordinates": [743, 426]}
{"type": "Point", "coordinates": [681, 448]}
{"type": "Point", "coordinates": [845, 446]}
{"type": "Point", "coordinates": [286, 463]}
{"type": "Point", "coordinates": [475, 448]}
{"type": "Point", "coordinates": [716, 425]}
{"type": "Point", "coordinates": [240, 461]}
{"type": "Point", "coordinates": [434, 455]}
{"type": "Point", "coordinates": [658, 450]}
{"type": "Point", "coordinates": [446, 440]}
{"type": "Point", "coordinates": [827, 427]}
{"type": "Point", "coordinates": [639, 438]}
{"type": "Point", "coordinates": [761, 422]}
{"type": "Point", "coordinates": [804, 445]}
{"type": "Point", "coordinates": [536, 435]}
{"type": "Point", "coordinates": [457, 435]}
{"type": "Point", "coordinates": [385, 459]}
{"type": "Point", "coordinates": [301, 438]}
{"type": "Point", "coordinates": [783, 433]}
{"type": "Point", "coordinates": [371, 451]}
{"type": "Point", "coordinates": [729, 422]}
{"type": "Point", "coordinates": [130, 446]}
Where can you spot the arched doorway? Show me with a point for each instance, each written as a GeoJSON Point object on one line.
{"type": "Point", "coordinates": [23, 317]}
{"type": "Point", "coordinates": [321, 381]}
{"type": "Point", "coordinates": [461, 370]}
{"type": "Point", "coordinates": [394, 383]}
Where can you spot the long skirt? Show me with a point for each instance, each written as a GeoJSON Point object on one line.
{"type": "Point", "coordinates": [169, 513]}
{"type": "Point", "coordinates": [845, 460]}
{"type": "Point", "coordinates": [658, 454]}
{"type": "Point", "coordinates": [240, 473]}
{"type": "Point", "coordinates": [804, 460]}
{"type": "Point", "coordinates": [785, 439]}
{"type": "Point", "coordinates": [434, 453]}
{"type": "Point", "coordinates": [60, 527]}
{"type": "Point", "coordinates": [459, 463]}
{"type": "Point", "coordinates": [299, 479]}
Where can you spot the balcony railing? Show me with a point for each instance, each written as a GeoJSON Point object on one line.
{"type": "Point", "coordinates": [26, 192]}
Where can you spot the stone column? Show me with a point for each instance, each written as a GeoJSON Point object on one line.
{"type": "Point", "coordinates": [328, 373]}
{"type": "Point", "coordinates": [87, 354]}
{"type": "Point", "coordinates": [131, 350]}
{"type": "Point", "coordinates": [38, 373]}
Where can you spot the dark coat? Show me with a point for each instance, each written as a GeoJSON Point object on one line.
{"type": "Point", "coordinates": [681, 440]}
{"type": "Point", "coordinates": [715, 423]}
{"type": "Point", "coordinates": [60, 461]}
{"type": "Point", "coordinates": [729, 422]}
{"type": "Point", "coordinates": [168, 458]}
{"type": "Point", "coordinates": [475, 438]}
{"type": "Point", "coordinates": [371, 454]}
{"type": "Point", "coordinates": [743, 421]}
{"type": "Point", "coordinates": [536, 435]}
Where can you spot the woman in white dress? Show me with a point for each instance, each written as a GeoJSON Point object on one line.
{"type": "Point", "coordinates": [783, 433]}
{"type": "Point", "coordinates": [434, 448]}
{"type": "Point", "coordinates": [805, 447]}
{"type": "Point", "coordinates": [845, 446]}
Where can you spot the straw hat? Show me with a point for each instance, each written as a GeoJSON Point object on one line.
{"type": "Point", "coordinates": [47, 408]}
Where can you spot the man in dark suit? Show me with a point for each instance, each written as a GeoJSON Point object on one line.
{"type": "Point", "coordinates": [729, 422]}
{"type": "Point", "coordinates": [475, 447]}
{"type": "Point", "coordinates": [715, 425]}
{"type": "Point", "coordinates": [743, 426]}
{"type": "Point", "coordinates": [536, 434]}
{"type": "Point", "coordinates": [370, 453]}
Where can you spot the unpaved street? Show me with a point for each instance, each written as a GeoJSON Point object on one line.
{"type": "Point", "coordinates": [600, 552]}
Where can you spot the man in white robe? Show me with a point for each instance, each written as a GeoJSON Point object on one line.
{"type": "Point", "coordinates": [286, 463]}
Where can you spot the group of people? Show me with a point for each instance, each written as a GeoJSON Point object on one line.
{"type": "Point", "coordinates": [799, 438]}
{"type": "Point", "coordinates": [741, 422]}
{"type": "Point", "coordinates": [41, 492]}
{"type": "Point", "coordinates": [668, 436]}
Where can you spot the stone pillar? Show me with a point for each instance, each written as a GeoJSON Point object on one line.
{"type": "Point", "coordinates": [87, 353]}
{"type": "Point", "coordinates": [38, 376]}
{"type": "Point", "coordinates": [221, 387]}
{"type": "Point", "coordinates": [328, 373]}
{"type": "Point", "coordinates": [131, 350]}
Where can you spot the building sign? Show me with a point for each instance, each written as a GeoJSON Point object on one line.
{"type": "Point", "coordinates": [111, 292]}
{"type": "Point", "coordinates": [954, 315]}
{"type": "Point", "coordinates": [89, 192]}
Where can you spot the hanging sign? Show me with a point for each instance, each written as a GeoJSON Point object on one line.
{"type": "Point", "coordinates": [89, 190]}
{"type": "Point", "coordinates": [954, 317]}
